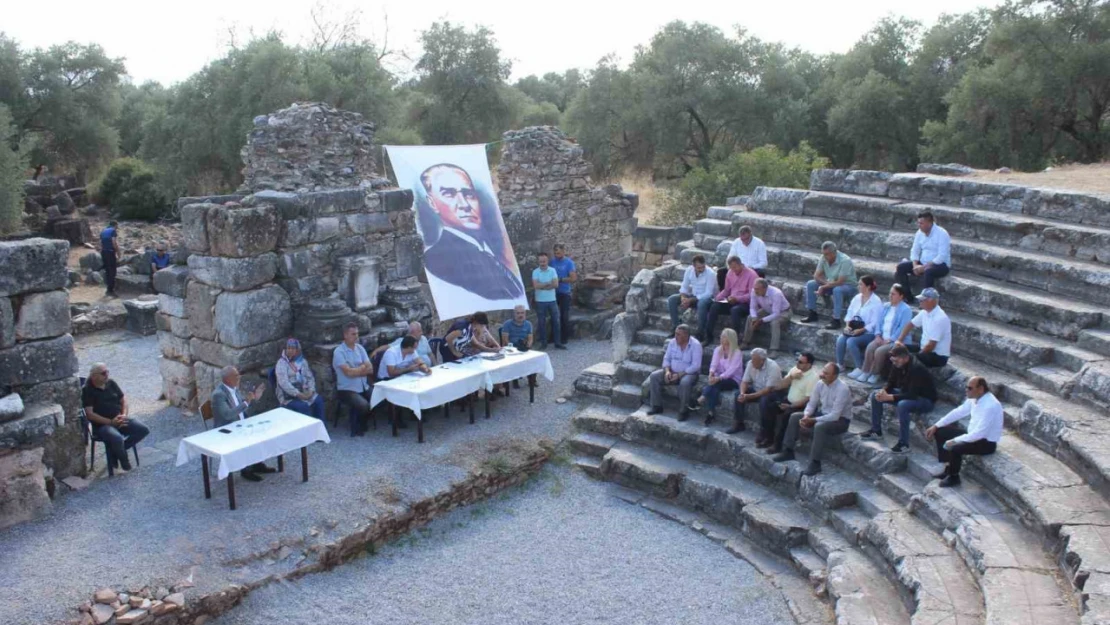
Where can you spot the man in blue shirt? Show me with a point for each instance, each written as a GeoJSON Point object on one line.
{"type": "Point", "coordinates": [568, 275]}
{"type": "Point", "coordinates": [518, 333]}
{"type": "Point", "coordinates": [159, 260]}
{"type": "Point", "coordinates": [545, 280]}
{"type": "Point", "coordinates": [930, 257]}
{"type": "Point", "coordinates": [352, 365]}
{"type": "Point", "coordinates": [109, 253]}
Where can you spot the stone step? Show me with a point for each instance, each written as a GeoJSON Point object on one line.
{"type": "Point", "coordinates": [862, 591]}
{"type": "Point", "coordinates": [655, 338]}
{"type": "Point", "coordinates": [808, 562]}
{"type": "Point", "coordinates": [724, 213]}
{"type": "Point", "coordinates": [715, 227]}
{"type": "Point", "coordinates": [590, 443]}
{"type": "Point", "coordinates": [601, 420]}
{"type": "Point", "coordinates": [632, 372]}
{"type": "Point", "coordinates": [711, 241]}
{"type": "Point", "coordinates": [628, 396]}
{"type": "Point", "coordinates": [589, 464]}
{"type": "Point", "coordinates": [1097, 341]}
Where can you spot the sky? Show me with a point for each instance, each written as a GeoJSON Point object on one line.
{"type": "Point", "coordinates": [169, 41]}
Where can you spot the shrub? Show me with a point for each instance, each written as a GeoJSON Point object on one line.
{"type": "Point", "coordinates": [130, 189]}
{"type": "Point", "coordinates": [739, 174]}
{"type": "Point", "coordinates": [11, 177]}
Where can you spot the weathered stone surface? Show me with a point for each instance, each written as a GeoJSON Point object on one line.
{"type": "Point", "coordinates": [11, 407]}
{"type": "Point", "coordinates": [178, 383]}
{"type": "Point", "coordinates": [358, 281]}
{"type": "Point", "coordinates": [298, 232]}
{"type": "Point", "coordinates": [1093, 384]}
{"type": "Point", "coordinates": [172, 280]}
{"type": "Point", "coordinates": [43, 315]}
{"type": "Point", "coordinates": [22, 487]}
{"type": "Point", "coordinates": [207, 378]}
{"type": "Point", "coordinates": [33, 265]}
{"type": "Point", "coordinates": [233, 274]}
{"type": "Point", "coordinates": [38, 361]}
{"type": "Point", "coordinates": [944, 169]}
{"type": "Point", "coordinates": [7, 323]}
{"type": "Point", "coordinates": [194, 227]}
{"type": "Point", "coordinates": [253, 317]}
{"type": "Point", "coordinates": [141, 316]}
{"type": "Point", "coordinates": [242, 232]}
{"type": "Point", "coordinates": [34, 428]}
{"type": "Point", "coordinates": [253, 357]}
{"type": "Point", "coordinates": [850, 181]}
{"type": "Point", "coordinates": [641, 292]}
{"type": "Point", "coordinates": [597, 379]}
{"type": "Point", "coordinates": [778, 200]}
{"type": "Point", "coordinates": [200, 306]}
{"type": "Point", "coordinates": [173, 306]}
{"type": "Point", "coordinates": [174, 348]}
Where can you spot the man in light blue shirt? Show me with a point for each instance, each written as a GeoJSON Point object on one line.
{"type": "Point", "coordinates": [423, 349]}
{"type": "Point", "coordinates": [698, 288]}
{"type": "Point", "coordinates": [681, 366]}
{"type": "Point", "coordinates": [930, 257]}
{"type": "Point", "coordinates": [545, 280]}
{"type": "Point", "coordinates": [352, 365]}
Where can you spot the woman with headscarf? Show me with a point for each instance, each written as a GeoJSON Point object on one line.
{"type": "Point", "coordinates": [296, 386]}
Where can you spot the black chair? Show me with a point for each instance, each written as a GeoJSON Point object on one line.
{"type": "Point", "coordinates": [92, 438]}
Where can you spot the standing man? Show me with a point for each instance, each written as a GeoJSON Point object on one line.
{"type": "Point", "coordinates": [109, 254]}
{"type": "Point", "coordinates": [768, 306]}
{"type": "Point", "coordinates": [930, 256]}
{"type": "Point", "coordinates": [545, 282]}
{"type": "Point", "coordinates": [352, 365]}
{"type": "Point", "coordinates": [228, 406]}
{"type": "Point", "coordinates": [828, 414]}
{"type": "Point", "coordinates": [910, 387]}
{"type": "Point", "coordinates": [936, 331]}
{"type": "Point", "coordinates": [735, 298]}
{"type": "Point", "coordinates": [835, 279]}
{"type": "Point", "coordinates": [681, 366]}
{"type": "Point", "coordinates": [697, 290]}
{"type": "Point", "coordinates": [106, 408]}
{"type": "Point", "coordinates": [980, 439]}
{"type": "Point", "coordinates": [761, 377]}
{"type": "Point", "coordinates": [568, 275]}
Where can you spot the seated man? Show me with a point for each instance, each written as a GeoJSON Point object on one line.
{"type": "Point", "coordinates": [681, 366]}
{"type": "Point", "coordinates": [828, 414]}
{"type": "Point", "coordinates": [106, 409]}
{"type": "Point", "coordinates": [352, 365]}
{"type": "Point", "coordinates": [159, 260]}
{"type": "Point", "coordinates": [835, 280]}
{"type": "Point", "coordinates": [791, 395]}
{"type": "Point", "coordinates": [930, 256]}
{"type": "Point", "coordinates": [735, 298]}
{"type": "Point", "coordinates": [936, 331]}
{"type": "Point", "coordinates": [761, 377]}
{"type": "Point", "coordinates": [423, 349]}
{"type": "Point", "coordinates": [229, 406]}
{"type": "Point", "coordinates": [750, 250]}
{"type": "Point", "coordinates": [296, 384]}
{"type": "Point", "coordinates": [910, 387]}
{"type": "Point", "coordinates": [697, 290]}
{"type": "Point", "coordinates": [402, 359]}
{"type": "Point", "coordinates": [518, 333]}
{"type": "Point", "coordinates": [981, 437]}
{"type": "Point", "coordinates": [768, 306]}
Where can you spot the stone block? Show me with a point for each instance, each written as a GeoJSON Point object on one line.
{"type": "Point", "coordinates": [172, 280]}
{"type": "Point", "coordinates": [42, 316]}
{"type": "Point", "coordinates": [253, 317]}
{"type": "Point", "coordinates": [242, 232]}
{"type": "Point", "coordinates": [233, 274]}
{"type": "Point", "coordinates": [368, 223]}
{"type": "Point", "coordinates": [174, 347]}
{"type": "Point", "coordinates": [178, 384]}
{"type": "Point", "coordinates": [525, 224]}
{"type": "Point", "coordinates": [7, 323]}
{"type": "Point", "coordinates": [246, 358]}
{"type": "Point", "coordinates": [64, 451]}
{"type": "Point", "coordinates": [778, 201]}
{"type": "Point", "coordinates": [944, 169]}
{"type": "Point", "coordinates": [359, 280]}
{"type": "Point", "coordinates": [33, 265]}
{"type": "Point", "coordinates": [11, 407]}
{"type": "Point", "coordinates": [396, 200]}
{"type": "Point", "coordinates": [194, 227]}
{"type": "Point", "coordinates": [141, 316]}
{"type": "Point", "coordinates": [641, 292]}
{"type": "Point", "coordinates": [862, 182]}
{"type": "Point", "coordinates": [207, 199]}
{"type": "Point", "coordinates": [23, 485]}
{"type": "Point", "coordinates": [409, 254]}
{"type": "Point", "coordinates": [173, 306]}
{"type": "Point", "coordinates": [300, 232]}
{"type": "Point", "coordinates": [92, 261]}
{"type": "Point", "coordinates": [207, 378]}
{"type": "Point", "coordinates": [38, 361]}
{"type": "Point", "coordinates": [38, 423]}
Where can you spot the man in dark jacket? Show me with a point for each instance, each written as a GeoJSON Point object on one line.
{"type": "Point", "coordinates": [910, 387]}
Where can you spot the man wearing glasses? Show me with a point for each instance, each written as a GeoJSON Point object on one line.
{"type": "Point", "coordinates": [791, 395]}
{"type": "Point", "coordinates": [106, 408]}
{"type": "Point", "coordinates": [979, 439]}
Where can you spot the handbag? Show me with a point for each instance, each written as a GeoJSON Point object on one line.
{"type": "Point", "coordinates": [856, 323]}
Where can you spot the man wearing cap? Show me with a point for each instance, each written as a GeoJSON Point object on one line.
{"type": "Point", "coordinates": [936, 331]}
{"type": "Point", "coordinates": [982, 434]}
{"type": "Point", "coordinates": [930, 257]}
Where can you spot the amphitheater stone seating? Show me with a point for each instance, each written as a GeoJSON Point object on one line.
{"type": "Point", "coordinates": [1026, 538]}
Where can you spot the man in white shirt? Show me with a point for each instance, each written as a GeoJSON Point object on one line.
{"type": "Point", "coordinates": [697, 289]}
{"type": "Point", "coordinates": [750, 250]}
{"type": "Point", "coordinates": [980, 438]}
{"type": "Point", "coordinates": [423, 348]}
{"type": "Point", "coordinates": [930, 257]}
{"type": "Point", "coordinates": [401, 359]}
{"type": "Point", "coordinates": [828, 414]}
{"type": "Point", "coordinates": [936, 331]}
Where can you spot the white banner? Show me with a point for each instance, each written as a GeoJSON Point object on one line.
{"type": "Point", "coordinates": [467, 254]}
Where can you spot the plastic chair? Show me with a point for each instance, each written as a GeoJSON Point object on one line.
{"type": "Point", "coordinates": [93, 438]}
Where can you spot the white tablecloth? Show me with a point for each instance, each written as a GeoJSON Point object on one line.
{"type": "Point", "coordinates": [454, 380]}
{"type": "Point", "coordinates": [252, 440]}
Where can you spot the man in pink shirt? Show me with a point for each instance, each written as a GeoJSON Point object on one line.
{"type": "Point", "coordinates": [769, 306]}
{"type": "Point", "coordinates": [735, 298]}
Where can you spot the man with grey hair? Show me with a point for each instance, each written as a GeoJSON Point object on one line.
{"type": "Point", "coordinates": [828, 414]}
{"type": "Point", "coordinates": [835, 281]}
{"type": "Point", "coordinates": [768, 306]}
{"type": "Point", "coordinates": [681, 366]}
{"type": "Point", "coordinates": [761, 377]}
{"type": "Point", "coordinates": [106, 409]}
{"type": "Point", "coordinates": [423, 349]}
{"type": "Point", "coordinates": [229, 406]}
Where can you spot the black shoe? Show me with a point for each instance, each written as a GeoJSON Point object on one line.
{"type": "Point", "coordinates": [655, 410]}
{"type": "Point", "coordinates": [870, 436]}
{"type": "Point", "coordinates": [813, 469]}
{"type": "Point", "coordinates": [359, 433]}
{"type": "Point", "coordinates": [784, 456]}
{"type": "Point", "coordinates": [736, 427]}
{"type": "Point", "coordinates": [251, 477]}
{"type": "Point", "coordinates": [683, 415]}
{"type": "Point", "coordinates": [943, 474]}
{"type": "Point", "coordinates": [709, 418]}
{"type": "Point", "coordinates": [835, 324]}
{"type": "Point", "coordinates": [560, 346]}
{"type": "Point", "coordinates": [773, 450]}
{"type": "Point", "coordinates": [900, 448]}
{"type": "Point", "coordinates": [950, 481]}
{"type": "Point", "coordinates": [266, 469]}
{"type": "Point", "coordinates": [811, 317]}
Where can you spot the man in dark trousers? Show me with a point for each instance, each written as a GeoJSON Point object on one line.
{"type": "Point", "coordinates": [910, 387]}
{"type": "Point", "coordinates": [109, 253]}
{"type": "Point", "coordinates": [106, 408]}
{"type": "Point", "coordinates": [228, 406]}
{"type": "Point", "coordinates": [568, 275]}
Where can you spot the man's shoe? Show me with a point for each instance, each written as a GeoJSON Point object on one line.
{"type": "Point", "coordinates": [900, 448]}
{"type": "Point", "coordinates": [655, 410]}
{"type": "Point", "coordinates": [683, 415]}
{"type": "Point", "coordinates": [772, 450]}
{"type": "Point", "coordinates": [738, 426]}
{"type": "Point", "coordinates": [251, 477]}
{"type": "Point", "coordinates": [560, 346]}
{"type": "Point", "coordinates": [950, 481]}
{"type": "Point", "coordinates": [835, 324]}
{"type": "Point", "coordinates": [710, 418]}
{"type": "Point", "coordinates": [871, 435]}
{"type": "Point", "coordinates": [813, 469]}
{"type": "Point", "coordinates": [783, 456]}
{"type": "Point", "coordinates": [858, 375]}
{"type": "Point", "coordinates": [873, 379]}
{"type": "Point", "coordinates": [811, 317]}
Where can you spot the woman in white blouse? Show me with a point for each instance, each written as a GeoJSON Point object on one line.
{"type": "Point", "coordinates": [869, 308]}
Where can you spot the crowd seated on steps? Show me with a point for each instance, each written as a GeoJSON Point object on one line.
{"type": "Point", "coordinates": [877, 336]}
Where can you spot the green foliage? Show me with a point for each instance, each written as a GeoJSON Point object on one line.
{"type": "Point", "coordinates": [558, 90]}
{"type": "Point", "coordinates": [129, 188]}
{"type": "Point", "coordinates": [12, 174]}
{"type": "Point", "coordinates": [740, 174]}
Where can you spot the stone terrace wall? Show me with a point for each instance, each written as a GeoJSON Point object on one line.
{"type": "Point", "coordinates": [546, 197]}
{"type": "Point", "coordinates": [308, 147]}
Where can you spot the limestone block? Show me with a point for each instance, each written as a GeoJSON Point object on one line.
{"type": "Point", "coordinates": [368, 223]}
{"type": "Point", "coordinates": [178, 382]}
{"type": "Point", "coordinates": [33, 265]}
{"type": "Point", "coordinates": [43, 315]}
{"type": "Point", "coordinates": [409, 252]}
{"type": "Point", "coordinates": [242, 232]}
{"type": "Point", "coordinates": [310, 230]}
{"type": "Point", "coordinates": [246, 358]}
{"type": "Point", "coordinates": [640, 294]}
{"type": "Point", "coordinates": [779, 201]}
{"type": "Point", "coordinates": [233, 274]}
{"type": "Point", "coordinates": [207, 378]}
{"type": "Point", "coordinates": [23, 494]}
{"type": "Point", "coordinates": [34, 428]}
{"type": "Point", "coordinates": [173, 306]}
{"type": "Point", "coordinates": [194, 227]}
{"type": "Point", "coordinates": [625, 325]}
{"type": "Point", "coordinates": [253, 317]}
{"type": "Point", "coordinates": [175, 325]}
{"type": "Point", "coordinates": [38, 361]}
{"type": "Point", "coordinates": [1065, 206]}
{"type": "Point", "coordinates": [172, 280]}
{"type": "Point", "coordinates": [525, 224]}
{"type": "Point", "coordinates": [141, 316]}
{"type": "Point", "coordinates": [7, 323]}
{"type": "Point", "coordinates": [11, 407]}
{"type": "Point", "coordinates": [862, 182]}
{"type": "Point", "coordinates": [174, 348]}
{"type": "Point", "coordinates": [207, 199]}
{"type": "Point", "coordinates": [359, 280]}
{"type": "Point", "coordinates": [396, 200]}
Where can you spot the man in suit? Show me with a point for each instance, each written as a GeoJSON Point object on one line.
{"type": "Point", "coordinates": [469, 252]}
{"type": "Point", "coordinates": [229, 406]}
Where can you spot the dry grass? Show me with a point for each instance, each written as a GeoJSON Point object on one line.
{"type": "Point", "coordinates": [651, 196]}
{"type": "Point", "coordinates": [1093, 178]}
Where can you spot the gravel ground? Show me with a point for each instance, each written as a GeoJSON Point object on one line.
{"type": "Point", "coordinates": [560, 549]}
{"type": "Point", "coordinates": [154, 525]}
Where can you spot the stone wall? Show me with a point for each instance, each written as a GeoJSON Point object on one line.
{"type": "Point", "coordinates": [546, 197]}
{"type": "Point", "coordinates": [653, 245]}
{"type": "Point", "coordinates": [309, 146]}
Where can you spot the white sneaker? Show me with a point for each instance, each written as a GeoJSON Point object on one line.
{"type": "Point", "coordinates": [874, 379]}
{"type": "Point", "coordinates": [855, 374]}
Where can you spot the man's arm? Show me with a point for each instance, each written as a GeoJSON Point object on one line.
{"type": "Point", "coordinates": [811, 405]}
{"type": "Point", "coordinates": [915, 251]}
{"type": "Point", "coordinates": [761, 256]}
{"type": "Point", "coordinates": [944, 247]}
{"type": "Point", "coordinates": [694, 367]}
{"type": "Point", "coordinates": [954, 415]}
{"type": "Point", "coordinates": [95, 418]}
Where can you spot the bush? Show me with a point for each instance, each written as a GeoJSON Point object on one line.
{"type": "Point", "coordinates": [740, 174]}
{"type": "Point", "coordinates": [11, 177]}
{"type": "Point", "coordinates": [129, 188]}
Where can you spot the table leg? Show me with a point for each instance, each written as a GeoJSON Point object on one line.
{"type": "Point", "coordinates": [508, 385]}
{"type": "Point", "coordinates": [304, 464]}
{"type": "Point", "coordinates": [470, 408]}
{"type": "Point", "coordinates": [281, 463]}
{"type": "Point", "coordinates": [531, 389]}
{"type": "Point", "coordinates": [207, 483]}
{"type": "Point", "coordinates": [231, 489]}
{"type": "Point", "coordinates": [420, 430]}
{"type": "Point", "coordinates": [487, 404]}
{"type": "Point", "coordinates": [446, 409]}
{"type": "Point", "coordinates": [393, 418]}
